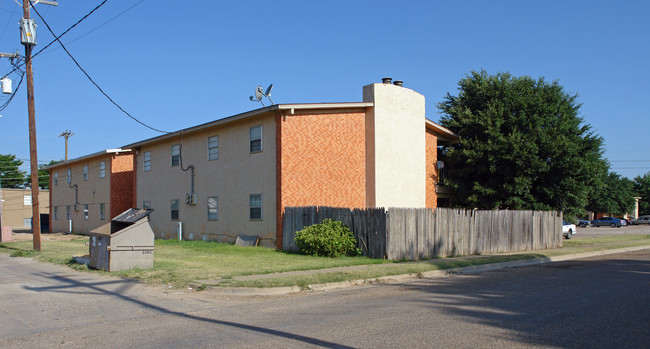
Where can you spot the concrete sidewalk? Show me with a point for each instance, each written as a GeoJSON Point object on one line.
{"type": "Point", "coordinates": [212, 285]}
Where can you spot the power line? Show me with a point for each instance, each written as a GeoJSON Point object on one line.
{"type": "Point", "coordinates": [99, 26]}
{"type": "Point", "coordinates": [56, 38]}
{"type": "Point", "coordinates": [91, 80]}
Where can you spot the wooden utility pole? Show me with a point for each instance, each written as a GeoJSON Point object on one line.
{"type": "Point", "coordinates": [36, 213]}
{"type": "Point", "coordinates": [67, 134]}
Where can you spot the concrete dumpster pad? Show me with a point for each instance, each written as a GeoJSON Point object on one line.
{"type": "Point", "coordinates": [126, 242]}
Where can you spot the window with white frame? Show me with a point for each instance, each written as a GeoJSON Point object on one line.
{"type": "Point", "coordinates": [27, 222]}
{"type": "Point", "coordinates": [56, 178]}
{"type": "Point", "coordinates": [102, 169]}
{"type": "Point", "coordinates": [69, 176]}
{"type": "Point", "coordinates": [56, 213]}
{"type": "Point", "coordinates": [213, 148]}
{"type": "Point", "coordinates": [174, 210]}
{"type": "Point", "coordinates": [85, 172]}
{"type": "Point", "coordinates": [176, 154]}
{"type": "Point", "coordinates": [102, 211]}
{"type": "Point", "coordinates": [67, 213]}
{"type": "Point", "coordinates": [146, 204]}
{"type": "Point", "coordinates": [256, 206]}
{"type": "Point", "coordinates": [27, 200]}
{"type": "Point", "coordinates": [213, 208]}
{"type": "Point", "coordinates": [146, 161]}
{"type": "Point", "coordinates": [255, 141]}
{"type": "Point", "coordinates": [85, 212]}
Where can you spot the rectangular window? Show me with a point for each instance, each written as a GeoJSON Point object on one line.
{"type": "Point", "coordinates": [85, 212]}
{"type": "Point", "coordinates": [102, 211]}
{"type": "Point", "coordinates": [256, 139]}
{"type": "Point", "coordinates": [27, 222]}
{"type": "Point", "coordinates": [85, 172]}
{"type": "Point", "coordinates": [146, 204]}
{"type": "Point", "coordinates": [213, 148]}
{"type": "Point", "coordinates": [146, 163]}
{"type": "Point", "coordinates": [69, 176]}
{"type": "Point", "coordinates": [213, 208]}
{"type": "Point", "coordinates": [176, 155]}
{"type": "Point", "coordinates": [102, 169]}
{"type": "Point", "coordinates": [56, 213]}
{"type": "Point", "coordinates": [27, 200]}
{"type": "Point", "coordinates": [256, 206]}
{"type": "Point", "coordinates": [174, 210]}
{"type": "Point", "coordinates": [56, 178]}
{"type": "Point", "coordinates": [67, 213]}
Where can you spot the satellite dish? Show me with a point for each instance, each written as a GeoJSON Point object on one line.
{"type": "Point", "coordinates": [259, 94]}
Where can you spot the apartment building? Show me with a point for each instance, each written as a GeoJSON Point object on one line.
{"type": "Point", "coordinates": [89, 191]}
{"type": "Point", "coordinates": [236, 175]}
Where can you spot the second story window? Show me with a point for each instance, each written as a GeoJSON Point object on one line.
{"type": "Point", "coordinates": [69, 176]}
{"type": "Point", "coordinates": [213, 148]}
{"type": "Point", "coordinates": [56, 178]}
{"type": "Point", "coordinates": [176, 154]}
{"type": "Point", "coordinates": [102, 169]}
{"type": "Point", "coordinates": [255, 142]}
{"type": "Point", "coordinates": [146, 162]}
{"type": "Point", "coordinates": [85, 172]}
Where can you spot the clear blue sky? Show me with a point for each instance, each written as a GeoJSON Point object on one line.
{"type": "Point", "coordinates": [173, 64]}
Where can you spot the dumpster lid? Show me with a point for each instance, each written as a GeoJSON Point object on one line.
{"type": "Point", "coordinates": [132, 215]}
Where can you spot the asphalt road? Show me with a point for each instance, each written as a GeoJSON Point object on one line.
{"type": "Point", "coordinates": [590, 303]}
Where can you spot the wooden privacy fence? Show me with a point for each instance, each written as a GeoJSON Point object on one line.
{"type": "Point", "coordinates": [412, 234]}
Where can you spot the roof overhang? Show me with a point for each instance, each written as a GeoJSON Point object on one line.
{"type": "Point", "coordinates": [445, 136]}
{"type": "Point", "coordinates": [253, 113]}
{"type": "Point", "coordinates": [88, 157]}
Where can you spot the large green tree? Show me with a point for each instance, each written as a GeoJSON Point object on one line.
{"type": "Point", "coordinates": [43, 175]}
{"type": "Point", "coordinates": [615, 196]}
{"type": "Point", "coordinates": [523, 145]}
{"type": "Point", "coordinates": [642, 190]}
{"type": "Point", "coordinates": [10, 173]}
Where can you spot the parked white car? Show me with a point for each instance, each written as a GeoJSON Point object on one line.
{"type": "Point", "coordinates": [641, 220]}
{"type": "Point", "coordinates": [568, 229]}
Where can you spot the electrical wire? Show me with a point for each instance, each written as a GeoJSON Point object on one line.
{"type": "Point", "coordinates": [99, 26]}
{"type": "Point", "coordinates": [91, 80]}
{"type": "Point", "coordinates": [56, 38]}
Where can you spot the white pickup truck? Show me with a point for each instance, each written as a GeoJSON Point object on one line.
{"type": "Point", "coordinates": [568, 229]}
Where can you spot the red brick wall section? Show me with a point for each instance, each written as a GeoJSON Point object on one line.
{"type": "Point", "coordinates": [121, 183]}
{"type": "Point", "coordinates": [320, 161]}
{"type": "Point", "coordinates": [432, 171]}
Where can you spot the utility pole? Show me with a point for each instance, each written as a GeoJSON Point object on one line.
{"type": "Point", "coordinates": [67, 134]}
{"type": "Point", "coordinates": [28, 38]}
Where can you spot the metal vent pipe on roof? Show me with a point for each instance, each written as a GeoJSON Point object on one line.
{"type": "Point", "coordinates": [386, 80]}
{"type": "Point", "coordinates": [398, 83]}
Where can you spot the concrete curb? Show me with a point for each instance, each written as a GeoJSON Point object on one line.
{"type": "Point", "coordinates": [253, 291]}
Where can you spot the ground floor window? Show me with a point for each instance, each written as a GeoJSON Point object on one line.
{"type": "Point", "coordinates": [56, 213]}
{"type": "Point", "coordinates": [102, 211]}
{"type": "Point", "coordinates": [213, 205]}
{"type": "Point", "coordinates": [85, 212]}
{"type": "Point", "coordinates": [174, 210]}
{"type": "Point", "coordinates": [256, 206]}
{"type": "Point", "coordinates": [146, 204]}
{"type": "Point", "coordinates": [67, 212]}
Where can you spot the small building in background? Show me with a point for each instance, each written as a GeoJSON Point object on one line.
{"type": "Point", "coordinates": [87, 192]}
{"type": "Point", "coordinates": [16, 208]}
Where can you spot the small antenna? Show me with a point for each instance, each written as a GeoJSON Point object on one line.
{"type": "Point", "coordinates": [259, 94]}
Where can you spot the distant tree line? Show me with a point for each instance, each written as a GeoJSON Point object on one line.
{"type": "Point", "coordinates": [11, 176]}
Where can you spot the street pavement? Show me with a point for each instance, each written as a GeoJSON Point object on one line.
{"type": "Point", "coordinates": [598, 302]}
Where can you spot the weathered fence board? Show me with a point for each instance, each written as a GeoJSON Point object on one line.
{"type": "Point", "coordinates": [412, 234]}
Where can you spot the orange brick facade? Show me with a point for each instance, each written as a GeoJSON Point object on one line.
{"type": "Point", "coordinates": [122, 188]}
{"type": "Point", "coordinates": [431, 142]}
{"type": "Point", "coordinates": [320, 161]}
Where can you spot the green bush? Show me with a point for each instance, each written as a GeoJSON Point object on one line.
{"type": "Point", "coordinates": [329, 238]}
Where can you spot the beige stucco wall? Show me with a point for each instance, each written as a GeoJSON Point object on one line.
{"type": "Point", "coordinates": [395, 139]}
{"type": "Point", "coordinates": [14, 210]}
{"type": "Point", "coordinates": [92, 192]}
{"type": "Point", "coordinates": [232, 178]}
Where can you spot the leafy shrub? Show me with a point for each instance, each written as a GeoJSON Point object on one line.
{"type": "Point", "coordinates": [329, 238]}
